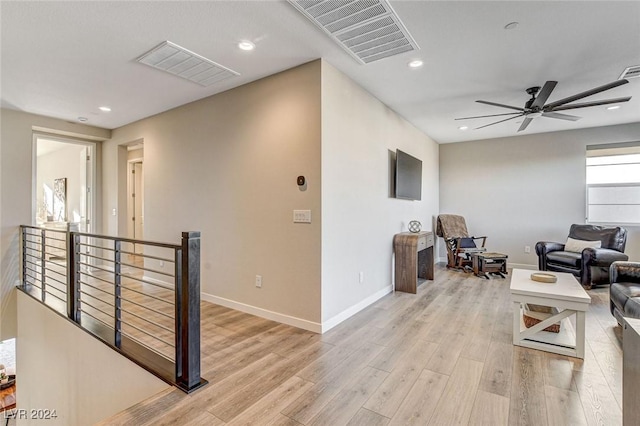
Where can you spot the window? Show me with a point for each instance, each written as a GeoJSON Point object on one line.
{"type": "Point", "coordinates": [613, 184]}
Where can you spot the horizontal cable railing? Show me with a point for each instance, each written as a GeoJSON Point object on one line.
{"type": "Point", "coordinates": [141, 297]}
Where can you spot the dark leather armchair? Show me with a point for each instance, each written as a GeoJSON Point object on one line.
{"type": "Point", "coordinates": [592, 265]}
{"type": "Point", "coordinates": [624, 293]}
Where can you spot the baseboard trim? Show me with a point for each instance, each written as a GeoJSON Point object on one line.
{"type": "Point", "coordinates": [522, 266]}
{"type": "Point", "coordinates": [157, 281]}
{"type": "Point", "coordinates": [264, 313]}
{"type": "Point", "coordinates": [295, 321]}
{"type": "Point", "coordinates": [349, 312]}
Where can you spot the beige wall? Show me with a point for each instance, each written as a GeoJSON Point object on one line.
{"type": "Point", "coordinates": [359, 219]}
{"type": "Point", "coordinates": [16, 141]}
{"type": "Point", "coordinates": [226, 166]}
{"type": "Point", "coordinates": [63, 368]}
{"type": "Point", "coordinates": [524, 189]}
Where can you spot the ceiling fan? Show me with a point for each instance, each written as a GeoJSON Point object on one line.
{"type": "Point", "coordinates": [535, 107]}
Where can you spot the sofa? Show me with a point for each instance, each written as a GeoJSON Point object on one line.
{"type": "Point", "coordinates": [624, 293]}
{"type": "Point", "coordinates": [593, 250]}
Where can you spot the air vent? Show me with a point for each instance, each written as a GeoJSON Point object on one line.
{"type": "Point", "coordinates": [176, 60]}
{"type": "Point", "coordinates": [369, 30]}
{"type": "Point", "coordinates": [631, 72]}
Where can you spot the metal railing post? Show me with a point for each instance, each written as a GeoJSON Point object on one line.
{"type": "Point", "coordinates": [188, 313]}
{"type": "Point", "coordinates": [178, 310]}
{"type": "Point", "coordinates": [73, 276]}
{"type": "Point", "coordinates": [117, 290]}
{"type": "Point", "coordinates": [23, 238]}
{"type": "Point", "coordinates": [42, 264]}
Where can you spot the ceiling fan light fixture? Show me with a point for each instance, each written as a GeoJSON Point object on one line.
{"type": "Point", "coordinates": [537, 106]}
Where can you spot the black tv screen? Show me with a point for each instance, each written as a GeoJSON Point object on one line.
{"type": "Point", "coordinates": [408, 176]}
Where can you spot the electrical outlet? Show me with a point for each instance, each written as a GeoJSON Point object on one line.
{"type": "Point", "coordinates": [259, 281]}
{"type": "Point", "coordinates": [527, 249]}
{"type": "Point", "coordinates": [361, 277]}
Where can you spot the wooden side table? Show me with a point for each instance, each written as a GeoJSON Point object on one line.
{"type": "Point", "coordinates": [414, 258]}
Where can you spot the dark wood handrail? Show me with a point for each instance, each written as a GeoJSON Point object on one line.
{"type": "Point", "coordinates": [108, 237]}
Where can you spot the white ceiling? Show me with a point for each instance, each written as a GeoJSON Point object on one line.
{"type": "Point", "coordinates": [65, 59]}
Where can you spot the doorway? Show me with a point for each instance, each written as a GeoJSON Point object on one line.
{"type": "Point", "coordinates": [135, 195]}
{"type": "Point", "coordinates": [63, 195]}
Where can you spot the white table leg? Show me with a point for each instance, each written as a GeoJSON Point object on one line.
{"type": "Point", "coordinates": [580, 334]}
{"type": "Point", "coordinates": [516, 323]}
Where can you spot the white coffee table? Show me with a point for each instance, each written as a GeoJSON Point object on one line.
{"type": "Point", "coordinates": [567, 295]}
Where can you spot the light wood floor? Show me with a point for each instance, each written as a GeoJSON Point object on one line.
{"type": "Point", "coordinates": [443, 356]}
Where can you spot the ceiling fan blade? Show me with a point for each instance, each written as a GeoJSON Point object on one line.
{"type": "Point", "coordinates": [506, 119]}
{"type": "Point", "coordinates": [501, 105]}
{"type": "Point", "coordinates": [590, 104]}
{"type": "Point", "coordinates": [561, 116]}
{"type": "Point", "coordinates": [525, 123]}
{"type": "Point", "coordinates": [544, 94]}
{"type": "Point", "coordinates": [484, 116]}
{"type": "Point", "coordinates": [611, 85]}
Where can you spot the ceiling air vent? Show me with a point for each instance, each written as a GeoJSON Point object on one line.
{"type": "Point", "coordinates": [369, 30]}
{"type": "Point", "coordinates": [631, 72]}
{"type": "Point", "coordinates": [176, 60]}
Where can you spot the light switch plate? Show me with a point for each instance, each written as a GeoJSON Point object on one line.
{"type": "Point", "coordinates": [302, 216]}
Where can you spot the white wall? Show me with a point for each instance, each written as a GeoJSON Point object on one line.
{"type": "Point", "coordinates": [16, 140]}
{"type": "Point", "coordinates": [63, 368]}
{"type": "Point", "coordinates": [359, 219]}
{"type": "Point", "coordinates": [524, 189]}
{"type": "Point", "coordinates": [226, 166]}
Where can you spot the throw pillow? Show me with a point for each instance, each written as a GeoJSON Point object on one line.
{"type": "Point", "coordinates": [577, 246]}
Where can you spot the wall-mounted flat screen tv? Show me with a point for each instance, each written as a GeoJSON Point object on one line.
{"type": "Point", "coordinates": [408, 176]}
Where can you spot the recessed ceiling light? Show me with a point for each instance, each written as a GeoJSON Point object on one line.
{"type": "Point", "coordinates": [511, 25]}
{"type": "Point", "coordinates": [82, 119]}
{"type": "Point", "coordinates": [105, 109]}
{"type": "Point", "coordinates": [415, 64]}
{"type": "Point", "coordinates": [463, 127]}
{"type": "Point", "coordinates": [613, 107]}
{"type": "Point", "coordinates": [246, 45]}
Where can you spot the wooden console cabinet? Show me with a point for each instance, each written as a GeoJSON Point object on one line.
{"type": "Point", "coordinates": [414, 259]}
